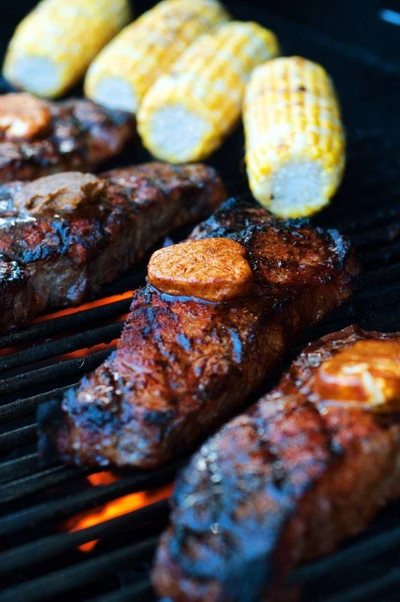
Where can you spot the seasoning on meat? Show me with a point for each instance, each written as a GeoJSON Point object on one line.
{"type": "Point", "coordinates": [367, 372]}
{"type": "Point", "coordinates": [281, 484]}
{"type": "Point", "coordinates": [182, 365]}
{"type": "Point", "coordinates": [23, 116]}
{"type": "Point", "coordinates": [214, 269]}
{"type": "Point", "coordinates": [69, 234]}
{"type": "Point", "coordinates": [39, 137]}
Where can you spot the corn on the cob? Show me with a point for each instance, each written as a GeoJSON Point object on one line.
{"type": "Point", "coordinates": [147, 48]}
{"type": "Point", "coordinates": [187, 113]}
{"type": "Point", "coordinates": [53, 46]}
{"type": "Point", "coordinates": [295, 146]}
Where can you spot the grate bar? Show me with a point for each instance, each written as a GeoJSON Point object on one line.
{"type": "Point", "coordinates": [386, 275]}
{"type": "Point", "coordinates": [379, 302]}
{"type": "Point", "coordinates": [382, 256]}
{"type": "Point", "coordinates": [364, 199]}
{"type": "Point", "coordinates": [18, 468]}
{"type": "Point", "coordinates": [371, 220]}
{"type": "Point", "coordinates": [65, 580]}
{"type": "Point", "coordinates": [66, 323]}
{"type": "Point", "coordinates": [82, 340]}
{"type": "Point", "coordinates": [141, 591]}
{"type": "Point", "coordinates": [364, 193]}
{"type": "Point", "coordinates": [30, 517]}
{"type": "Point", "coordinates": [52, 477]}
{"type": "Point", "coordinates": [384, 235]}
{"type": "Point", "coordinates": [130, 281]}
{"type": "Point", "coordinates": [53, 545]}
{"type": "Point", "coordinates": [350, 52]}
{"type": "Point", "coordinates": [18, 438]}
{"type": "Point", "coordinates": [66, 368]}
{"type": "Point", "coordinates": [367, 209]}
{"type": "Point", "coordinates": [382, 292]}
{"type": "Point", "coordinates": [369, 590]}
{"type": "Point", "coordinates": [354, 555]}
{"type": "Point", "coordinates": [22, 407]}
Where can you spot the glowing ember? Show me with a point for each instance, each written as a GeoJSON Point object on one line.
{"type": "Point", "coordinates": [102, 478]}
{"type": "Point", "coordinates": [90, 305]}
{"type": "Point", "coordinates": [118, 507]}
{"type": "Point", "coordinates": [74, 310]}
{"type": "Point", "coordinates": [87, 350]}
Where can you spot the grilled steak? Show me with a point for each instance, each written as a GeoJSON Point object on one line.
{"type": "Point", "coordinates": [80, 136]}
{"type": "Point", "coordinates": [183, 365]}
{"type": "Point", "coordinates": [282, 483]}
{"type": "Point", "coordinates": [63, 236]}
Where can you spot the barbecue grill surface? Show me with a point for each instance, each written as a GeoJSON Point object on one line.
{"type": "Point", "coordinates": [38, 561]}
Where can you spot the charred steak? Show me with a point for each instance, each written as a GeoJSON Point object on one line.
{"type": "Point", "coordinates": [306, 466]}
{"type": "Point", "coordinates": [183, 366]}
{"type": "Point", "coordinates": [39, 137]}
{"type": "Point", "coordinates": [63, 236]}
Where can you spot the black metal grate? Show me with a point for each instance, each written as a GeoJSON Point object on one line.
{"type": "Point", "coordinates": [39, 562]}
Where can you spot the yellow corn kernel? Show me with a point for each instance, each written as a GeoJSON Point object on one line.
{"type": "Point", "coordinates": [188, 112]}
{"type": "Point", "coordinates": [295, 145]}
{"type": "Point", "coordinates": [53, 46]}
{"type": "Point", "coordinates": [147, 48]}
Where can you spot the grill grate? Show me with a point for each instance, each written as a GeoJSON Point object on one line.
{"type": "Point", "coordinates": [40, 563]}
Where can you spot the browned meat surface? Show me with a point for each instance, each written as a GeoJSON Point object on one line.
{"type": "Point", "coordinates": [80, 136]}
{"type": "Point", "coordinates": [280, 484]}
{"type": "Point", "coordinates": [183, 365]}
{"type": "Point", "coordinates": [62, 237]}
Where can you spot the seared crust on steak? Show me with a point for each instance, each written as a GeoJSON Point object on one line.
{"type": "Point", "coordinates": [280, 484]}
{"type": "Point", "coordinates": [16, 293]}
{"type": "Point", "coordinates": [81, 136]}
{"type": "Point", "coordinates": [183, 365]}
{"type": "Point", "coordinates": [54, 260]}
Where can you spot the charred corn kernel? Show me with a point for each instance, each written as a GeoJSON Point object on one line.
{"type": "Point", "coordinates": [295, 146]}
{"type": "Point", "coordinates": [131, 63]}
{"type": "Point", "coordinates": [53, 46]}
{"type": "Point", "coordinates": [367, 373]}
{"type": "Point", "coordinates": [187, 113]}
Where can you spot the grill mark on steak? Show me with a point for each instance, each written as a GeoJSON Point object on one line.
{"type": "Point", "coordinates": [187, 365]}
{"type": "Point", "coordinates": [82, 135]}
{"type": "Point", "coordinates": [64, 259]}
{"type": "Point", "coordinates": [339, 465]}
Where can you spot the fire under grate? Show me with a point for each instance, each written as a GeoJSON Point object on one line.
{"type": "Point", "coordinates": [42, 557]}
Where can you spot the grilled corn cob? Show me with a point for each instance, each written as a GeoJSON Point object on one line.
{"type": "Point", "coordinates": [130, 64]}
{"type": "Point", "coordinates": [53, 46]}
{"type": "Point", "coordinates": [295, 147]}
{"type": "Point", "coordinates": [187, 113]}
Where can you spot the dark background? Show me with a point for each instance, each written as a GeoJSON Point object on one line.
{"type": "Point", "coordinates": [351, 21]}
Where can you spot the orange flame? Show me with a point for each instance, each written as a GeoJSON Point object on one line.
{"type": "Point", "coordinates": [85, 306]}
{"type": "Point", "coordinates": [74, 310]}
{"type": "Point", "coordinates": [87, 350]}
{"type": "Point", "coordinates": [118, 507]}
{"type": "Point", "coordinates": [90, 305]}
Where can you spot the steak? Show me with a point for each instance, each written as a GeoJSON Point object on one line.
{"type": "Point", "coordinates": [282, 483]}
{"type": "Point", "coordinates": [183, 365]}
{"type": "Point", "coordinates": [80, 136]}
{"type": "Point", "coordinates": [63, 236]}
